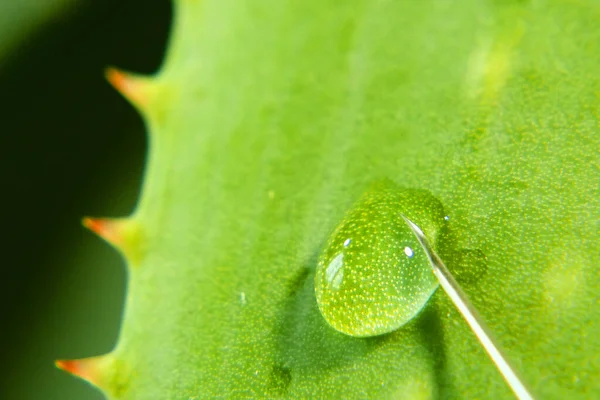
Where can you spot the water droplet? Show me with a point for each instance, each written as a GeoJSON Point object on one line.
{"type": "Point", "coordinates": [447, 217]}
{"type": "Point", "coordinates": [384, 279]}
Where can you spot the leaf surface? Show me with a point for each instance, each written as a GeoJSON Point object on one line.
{"type": "Point", "coordinates": [269, 119]}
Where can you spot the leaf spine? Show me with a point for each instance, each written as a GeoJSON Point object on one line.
{"type": "Point", "coordinates": [141, 91]}
{"type": "Point", "coordinates": [88, 369]}
{"type": "Point", "coordinates": [122, 233]}
{"type": "Point", "coordinates": [108, 373]}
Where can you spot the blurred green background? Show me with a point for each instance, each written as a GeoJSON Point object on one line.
{"type": "Point", "coordinates": [71, 146]}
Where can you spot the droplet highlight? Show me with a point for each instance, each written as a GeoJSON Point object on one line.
{"type": "Point", "coordinates": [335, 272]}
{"type": "Point", "coordinates": [383, 279]}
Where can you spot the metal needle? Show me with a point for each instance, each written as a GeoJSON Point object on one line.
{"type": "Point", "coordinates": [470, 314]}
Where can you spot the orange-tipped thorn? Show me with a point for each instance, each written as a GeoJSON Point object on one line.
{"type": "Point", "coordinates": [133, 88]}
{"type": "Point", "coordinates": [123, 233]}
{"type": "Point", "coordinates": [86, 368]}
{"type": "Point", "coordinates": [108, 229]}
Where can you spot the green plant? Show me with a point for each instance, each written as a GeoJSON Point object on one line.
{"type": "Point", "coordinates": [269, 119]}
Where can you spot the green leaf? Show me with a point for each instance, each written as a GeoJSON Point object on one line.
{"type": "Point", "coordinates": [271, 118]}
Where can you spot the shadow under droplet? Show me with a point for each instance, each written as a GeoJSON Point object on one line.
{"type": "Point", "coordinates": [306, 341]}
{"type": "Point", "coordinates": [429, 325]}
{"type": "Point", "coordinates": [280, 379]}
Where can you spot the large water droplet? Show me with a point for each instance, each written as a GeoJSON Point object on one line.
{"type": "Point", "coordinates": [373, 276]}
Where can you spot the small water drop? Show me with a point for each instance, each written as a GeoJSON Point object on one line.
{"type": "Point", "coordinates": [384, 279]}
{"type": "Point", "coordinates": [446, 218]}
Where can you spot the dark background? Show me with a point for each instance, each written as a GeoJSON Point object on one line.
{"type": "Point", "coordinates": [70, 146]}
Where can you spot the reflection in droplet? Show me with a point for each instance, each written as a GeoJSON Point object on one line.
{"type": "Point", "coordinates": [335, 271]}
{"type": "Point", "coordinates": [383, 279]}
